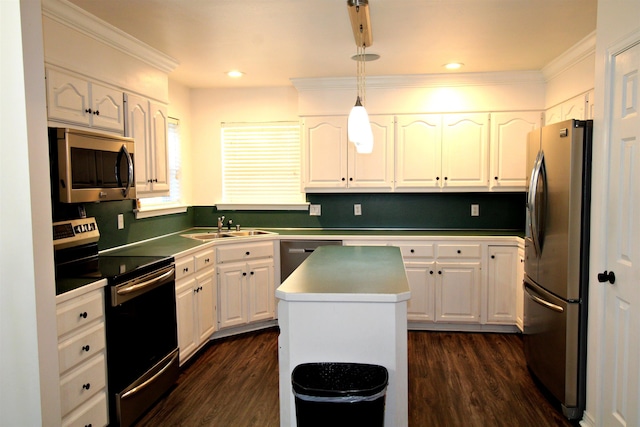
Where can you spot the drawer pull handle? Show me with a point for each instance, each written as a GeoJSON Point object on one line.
{"type": "Point", "coordinates": [439, 272]}
{"type": "Point", "coordinates": [206, 260]}
{"type": "Point", "coordinates": [86, 386]}
{"type": "Point", "coordinates": [252, 273]}
{"type": "Point", "coordinates": [84, 314]}
{"type": "Point", "coordinates": [431, 272]}
{"type": "Point", "coordinates": [248, 253]}
{"type": "Point", "coordinates": [493, 257]}
{"type": "Point", "coordinates": [412, 250]}
{"type": "Point", "coordinates": [185, 270]}
{"type": "Point", "coordinates": [86, 347]}
{"type": "Point", "coordinates": [459, 251]}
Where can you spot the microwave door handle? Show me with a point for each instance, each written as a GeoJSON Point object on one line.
{"type": "Point", "coordinates": [127, 156]}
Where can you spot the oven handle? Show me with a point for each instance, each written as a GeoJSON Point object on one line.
{"type": "Point", "coordinates": [149, 283]}
{"type": "Point", "coordinates": [150, 380]}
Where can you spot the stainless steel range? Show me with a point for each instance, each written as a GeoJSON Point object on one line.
{"type": "Point", "coordinates": [140, 314]}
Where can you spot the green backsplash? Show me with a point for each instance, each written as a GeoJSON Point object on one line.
{"type": "Point", "coordinates": [498, 211]}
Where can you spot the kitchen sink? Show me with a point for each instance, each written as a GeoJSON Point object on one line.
{"type": "Point", "coordinates": [214, 235]}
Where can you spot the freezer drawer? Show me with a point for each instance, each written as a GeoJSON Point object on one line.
{"type": "Point", "coordinates": [551, 344]}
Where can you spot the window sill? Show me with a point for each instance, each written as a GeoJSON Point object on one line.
{"type": "Point", "coordinates": [152, 211]}
{"type": "Point", "coordinates": [262, 207]}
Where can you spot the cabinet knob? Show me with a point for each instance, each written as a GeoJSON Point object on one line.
{"type": "Point", "coordinates": [459, 251]}
{"type": "Point", "coordinates": [88, 110]}
{"type": "Point", "coordinates": [185, 270]}
{"type": "Point", "coordinates": [437, 178]}
{"type": "Point", "coordinates": [495, 177]}
{"type": "Point", "coordinates": [446, 178]}
{"type": "Point", "coordinates": [86, 386]}
{"type": "Point", "coordinates": [88, 425]}
{"type": "Point", "coordinates": [350, 179]}
{"type": "Point", "coordinates": [430, 271]}
{"type": "Point", "coordinates": [412, 250]}
{"type": "Point", "coordinates": [439, 272]}
{"type": "Point", "coordinates": [248, 253]}
{"type": "Point", "coordinates": [97, 113]}
{"type": "Point", "coordinates": [86, 347]}
{"type": "Point", "coordinates": [252, 273]}
{"type": "Point", "coordinates": [84, 314]}
{"type": "Point", "coordinates": [244, 274]}
{"type": "Point", "coordinates": [493, 256]}
{"type": "Point", "coordinates": [206, 260]}
{"type": "Point", "coordinates": [343, 179]}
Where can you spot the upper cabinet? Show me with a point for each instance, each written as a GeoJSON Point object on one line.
{"type": "Point", "coordinates": [72, 99]}
{"type": "Point", "coordinates": [508, 148]}
{"type": "Point", "coordinates": [422, 153]}
{"type": "Point", "coordinates": [579, 107]}
{"type": "Point", "coordinates": [147, 124]}
{"type": "Point", "coordinates": [332, 164]}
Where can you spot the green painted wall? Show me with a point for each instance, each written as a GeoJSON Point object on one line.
{"type": "Point", "coordinates": [498, 211]}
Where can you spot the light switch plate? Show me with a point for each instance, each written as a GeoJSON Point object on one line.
{"type": "Point", "coordinates": [357, 209]}
{"type": "Point", "coordinates": [120, 221]}
{"type": "Point", "coordinates": [475, 210]}
{"type": "Point", "coordinates": [315, 210]}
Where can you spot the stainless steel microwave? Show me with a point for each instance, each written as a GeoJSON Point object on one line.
{"type": "Point", "coordinates": [91, 167]}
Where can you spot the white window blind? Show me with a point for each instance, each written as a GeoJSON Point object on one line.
{"type": "Point", "coordinates": [261, 163]}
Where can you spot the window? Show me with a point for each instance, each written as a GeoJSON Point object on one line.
{"type": "Point", "coordinates": [261, 164]}
{"type": "Point", "coordinates": [168, 204]}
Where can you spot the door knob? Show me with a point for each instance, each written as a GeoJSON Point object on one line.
{"type": "Point", "coordinates": [607, 276]}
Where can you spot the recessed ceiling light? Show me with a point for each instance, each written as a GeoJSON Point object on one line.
{"type": "Point", "coordinates": [235, 74]}
{"type": "Point", "coordinates": [453, 65]}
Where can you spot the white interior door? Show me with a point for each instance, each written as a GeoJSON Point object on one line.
{"type": "Point", "coordinates": [622, 316]}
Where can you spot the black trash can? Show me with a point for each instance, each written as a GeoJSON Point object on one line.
{"type": "Point", "coordinates": [339, 394]}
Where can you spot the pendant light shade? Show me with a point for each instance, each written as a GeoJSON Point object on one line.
{"type": "Point", "coordinates": [359, 127]}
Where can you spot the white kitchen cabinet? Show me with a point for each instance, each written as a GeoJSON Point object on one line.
{"type": "Point", "coordinates": [75, 100]}
{"type": "Point", "coordinates": [508, 168]}
{"type": "Point", "coordinates": [502, 280]}
{"type": "Point", "coordinates": [418, 152]}
{"type": "Point", "coordinates": [246, 283]}
{"type": "Point", "coordinates": [147, 123]}
{"type": "Point", "coordinates": [421, 278]}
{"type": "Point", "coordinates": [82, 359]}
{"type": "Point", "coordinates": [195, 301]}
{"type": "Point", "coordinates": [332, 163]}
{"type": "Point", "coordinates": [579, 107]}
{"type": "Point", "coordinates": [458, 282]}
{"type": "Point", "coordinates": [438, 151]}
{"type": "Point", "coordinates": [520, 290]}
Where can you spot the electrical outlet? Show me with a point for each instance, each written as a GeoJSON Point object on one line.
{"type": "Point", "coordinates": [357, 209]}
{"type": "Point", "coordinates": [475, 210]}
{"type": "Point", "coordinates": [120, 221]}
{"type": "Point", "coordinates": [314, 210]}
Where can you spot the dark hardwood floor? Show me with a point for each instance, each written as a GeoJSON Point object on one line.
{"type": "Point", "coordinates": [455, 379]}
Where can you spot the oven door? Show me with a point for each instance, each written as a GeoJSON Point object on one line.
{"type": "Point", "coordinates": [142, 343]}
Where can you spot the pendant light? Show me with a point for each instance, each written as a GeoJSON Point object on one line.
{"type": "Point", "coordinates": [359, 127]}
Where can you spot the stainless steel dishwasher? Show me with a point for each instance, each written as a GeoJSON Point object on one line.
{"type": "Point", "coordinates": [294, 252]}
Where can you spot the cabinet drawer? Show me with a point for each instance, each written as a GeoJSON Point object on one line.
{"type": "Point", "coordinates": [204, 260]}
{"type": "Point", "coordinates": [244, 252]}
{"type": "Point", "coordinates": [79, 312]}
{"type": "Point", "coordinates": [81, 347]}
{"type": "Point", "coordinates": [82, 383]}
{"type": "Point", "coordinates": [184, 267]}
{"type": "Point", "coordinates": [459, 251]}
{"type": "Point", "coordinates": [416, 251]}
{"type": "Point", "coordinates": [91, 413]}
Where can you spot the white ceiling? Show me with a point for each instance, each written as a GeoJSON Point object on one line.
{"type": "Point", "coordinates": [275, 40]}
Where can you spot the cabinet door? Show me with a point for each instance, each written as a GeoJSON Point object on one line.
{"type": "Point", "coordinates": [138, 128]}
{"type": "Point", "coordinates": [159, 139]}
{"type": "Point", "coordinates": [509, 149]}
{"type": "Point", "coordinates": [574, 108]}
{"type": "Point", "coordinates": [232, 309]}
{"type": "Point", "coordinates": [418, 155]}
{"type": "Point", "coordinates": [458, 292]}
{"type": "Point", "coordinates": [501, 286]}
{"type": "Point", "coordinates": [186, 317]}
{"type": "Point", "coordinates": [520, 290]}
{"type": "Point", "coordinates": [108, 111]}
{"type": "Point", "coordinates": [465, 150]}
{"type": "Point", "coordinates": [325, 152]}
{"type": "Point", "coordinates": [206, 303]}
{"type": "Point", "coordinates": [421, 305]}
{"type": "Point", "coordinates": [374, 170]}
{"type": "Point", "coordinates": [68, 98]}
{"type": "Point", "coordinates": [261, 290]}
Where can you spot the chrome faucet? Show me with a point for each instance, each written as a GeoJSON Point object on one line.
{"type": "Point", "coordinates": [220, 222]}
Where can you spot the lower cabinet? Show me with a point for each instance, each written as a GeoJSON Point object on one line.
{"type": "Point", "coordinates": [195, 301]}
{"type": "Point", "coordinates": [245, 283]}
{"type": "Point", "coordinates": [520, 290]}
{"type": "Point", "coordinates": [502, 281]}
{"type": "Point", "coordinates": [82, 360]}
{"type": "Point", "coordinates": [458, 296]}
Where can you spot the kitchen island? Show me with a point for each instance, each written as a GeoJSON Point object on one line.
{"type": "Point", "coordinates": [346, 304]}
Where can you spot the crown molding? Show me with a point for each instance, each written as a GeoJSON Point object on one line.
{"type": "Point", "coordinates": [80, 20]}
{"type": "Point", "coordinates": [575, 54]}
{"type": "Point", "coordinates": [420, 80]}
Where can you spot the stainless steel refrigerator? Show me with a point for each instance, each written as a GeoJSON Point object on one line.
{"type": "Point", "coordinates": [557, 259]}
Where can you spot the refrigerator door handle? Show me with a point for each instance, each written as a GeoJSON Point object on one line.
{"type": "Point", "coordinates": [543, 302]}
{"type": "Point", "coordinates": [533, 202]}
